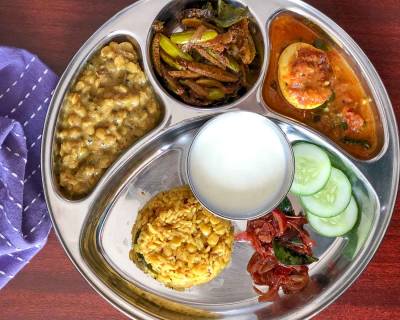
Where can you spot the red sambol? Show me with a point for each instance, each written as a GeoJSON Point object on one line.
{"type": "Point", "coordinates": [282, 253]}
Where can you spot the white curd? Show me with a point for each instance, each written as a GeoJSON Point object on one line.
{"type": "Point", "coordinates": [238, 165]}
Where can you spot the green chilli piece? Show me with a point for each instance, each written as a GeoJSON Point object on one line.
{"type": "Point", "coordinates": [312, 169]}
{"type": "Point", "coordinates": [186, 37]}
{"type": "Point", "coordinates": [216, 94]}
{"type": "Point", "coordinates": [232, 63]}
{"type": "Point", "coordinates": [336, 226]}
{"type": "Point", "coordinates": [332, 199]}
{"type": "Point", "coordinates": [171, 62]}
{"type": "Point", "coordinates": [172, 49]}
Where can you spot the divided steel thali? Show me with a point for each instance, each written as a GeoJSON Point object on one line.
{"type": "Point", "coordinates": [119, 131]}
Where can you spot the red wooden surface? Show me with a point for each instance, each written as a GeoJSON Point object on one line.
{"type": "Point", "coordinates": [50, 288]}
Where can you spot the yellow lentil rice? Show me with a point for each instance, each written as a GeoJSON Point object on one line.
{"type": "Point", "coordinates": [180, 243]}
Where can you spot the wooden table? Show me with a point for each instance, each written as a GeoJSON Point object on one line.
{"type": "Point", "coordinates": [50, 288]}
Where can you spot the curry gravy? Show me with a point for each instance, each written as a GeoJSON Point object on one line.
{"type": "Point", "coordinates": [349, 117]}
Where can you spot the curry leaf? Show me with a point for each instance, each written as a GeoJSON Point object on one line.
{"type": "Point", "coordinates": [363, 143]}
{"type": "Point", "coordinates": [290, 257]}
{"type": "Point", "coordinates": [286, 207]}
{"type": "Point", "coordinates": [228, 14]}
{"type": "Point", "coordinates": [321, 44]}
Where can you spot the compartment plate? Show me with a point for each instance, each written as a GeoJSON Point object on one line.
{"type": "Point", "coordinates": [85, 227]}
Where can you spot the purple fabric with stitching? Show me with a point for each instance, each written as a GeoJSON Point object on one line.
{"type": "Point", "coordinates": [26, 86]}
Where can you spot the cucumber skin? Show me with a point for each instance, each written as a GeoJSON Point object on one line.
{"type": "Point", "coordinates": [310, 194]}
{"type": "Point", "coordinates": [308, 214]}
{"type": "Point", "coordinates": [302, 193]}
{"type": "Point", "coordinates": [330, 215]}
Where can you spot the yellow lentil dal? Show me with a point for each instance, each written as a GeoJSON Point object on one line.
{"type": "Point", "coordinates": [110, 106]}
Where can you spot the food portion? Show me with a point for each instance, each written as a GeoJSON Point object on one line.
{"type": "Point", "coordinates": [338, 225]}
{"type": "Point", "coordinates": [283, 251]}
{"type": "Point", "coordinates": [213, 60]}
{"type": "Point", "coordinates": [178, 242]}
{"type": "Point", "coordinates": [283, 248]}
{"type": "Point", "coordinates": [238, 165]}
{"type": "Point", "coordinates": [312, 169]}
{"type": "Point", "coordinates": [110, 106]}
{"type": "Point", "coordinates": [330, 207]}
{"type": "Point", "coordinates": [181, 244]}
{"type": "Point", "coordinates": [332, 199]}
{"type": "Point", "coordinates": [305, 76]}
{"type": "Point", "coordinates": [310, 80]}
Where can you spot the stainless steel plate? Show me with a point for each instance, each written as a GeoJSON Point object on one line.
{"type": "Point", "coordinates": [95, 231]}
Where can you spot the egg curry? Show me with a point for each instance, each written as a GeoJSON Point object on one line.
{"type": "Point", "coordinates": [310, 79]}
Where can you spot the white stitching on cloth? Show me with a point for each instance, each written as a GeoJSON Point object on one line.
{"type": "Point", "coordinates": [9, 196]}
{"type": "Point", "coordinates": [15, 202]}
{"type": "Point", "coordinates": [7, 219]}
{"type": "Point", "coordinates": [16, 154]}
{"type": "Point", "coordinates": [12, 173]}
{"type": "Point", "coordinates": [33, 59]}
{"type": "Point", "coordinates": [5, 274]}
{"type": "Point", "coordinates": [33, 201]}
{"type": "Point", "coordinates": [18, 135]}
{"type": "Point", "coordinates": [38, 109]}
{"type": "Point", "coordinates": [19, 78]}
{"type": "Point", "coordinates": [25, 97]}
{"type": "Point", "coordinates": [32, 174]}
{"type": "Point", "coordinates": [9, 243]}
{"type": "Point", "coordinates": [34, 143]}
{"type": "Point", "coordinates": [36, 226]}
{"type": "Point", "coordinates": [16, 257]}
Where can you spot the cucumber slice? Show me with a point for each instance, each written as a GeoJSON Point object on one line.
{"type": "Point", "coordinates": [338, 225]}
{"type": "Point", "coordinates": [332, 199]}
{"type": "Point", "coordinates": [312, 169]}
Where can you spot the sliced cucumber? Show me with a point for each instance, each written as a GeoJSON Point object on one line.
{"type": "Point", "coordinates": [338, 225]}
{"type": "Point", "coordinates": [332, 199]}
{"type": "Point", "coordinates": [312, 169]}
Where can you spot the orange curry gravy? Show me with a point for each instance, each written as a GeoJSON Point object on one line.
{"type": "Point", "coordinates": [349, 117]}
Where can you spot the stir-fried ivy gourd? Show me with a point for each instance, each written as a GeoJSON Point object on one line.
{"type": "Point", "coordinates": [213, 60]}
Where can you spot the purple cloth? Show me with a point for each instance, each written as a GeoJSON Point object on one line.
{"type": "Point", "coordinates": [26, 87]}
